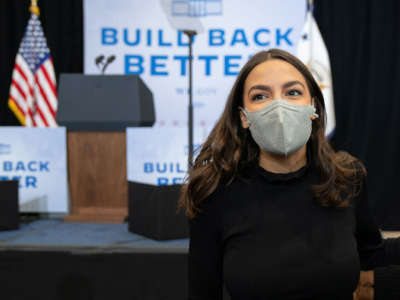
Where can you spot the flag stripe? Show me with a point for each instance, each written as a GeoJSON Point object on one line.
{"type": "Point", "coordinates": [44, 84]}
{"type": "Point", "coordinates": [39, 119]}
{"type": "Point", "coordinates": [14, 92]}
{"type": "Point", "coordinates": [19, 94]}
{"type": "Point", "coordinates": [20, 90]}
{"type": "Point", "coordinates": [43, 107]}
{"type": "Point", "coordinates": [42, 111]}
{"type": "Point", "coordinates": [30, 79]}
{"type": "Point", "coordinates": [25, 69]}
{"type": "Point", "coordinates": [44, 96]}
{"type": "Point", "coordinates": [21, 83]}
{"type": "Point", "coordinates": [48, 69]}
{"type": "Point", "coordinates": [19, 70]}
{"type": "Point", "coordinates": [43, 118]}
{"type": "Point", "coordinates": [24, 92]}
{"type": "Point", "coordinates": [21, 102]}
{"type": "Point", "coordinates": [18, 77]}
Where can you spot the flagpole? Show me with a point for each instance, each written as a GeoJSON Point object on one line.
{"type": "Point", "coordinates": [34, 8]}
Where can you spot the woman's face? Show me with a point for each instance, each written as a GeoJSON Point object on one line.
{"type": "Point", "coordinates": [270, 80]}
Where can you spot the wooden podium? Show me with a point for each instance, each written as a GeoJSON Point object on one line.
{"type": "Point", "coordinates": [97, 177]}
{"type": "Point", "coordinates": [96, 110]}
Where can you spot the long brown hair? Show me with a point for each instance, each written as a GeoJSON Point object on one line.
{"type": "Point", "coordinates": [229, 148]}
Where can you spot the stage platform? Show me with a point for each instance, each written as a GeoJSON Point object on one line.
{"type": "Point", "coordinates": [54, 234]}
{"type": "Point", "coordinates": [52, 259]}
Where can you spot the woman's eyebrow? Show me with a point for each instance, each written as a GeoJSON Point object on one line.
{"type": "Point", "coordinates": [259, 87]}
{"type": "Point", "coordinates": [291, 83]}
{"type": "Point", "coordinates": [267, 88]}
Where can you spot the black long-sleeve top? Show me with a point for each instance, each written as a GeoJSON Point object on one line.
{"type": "Point", "coordinates": [266, 237]}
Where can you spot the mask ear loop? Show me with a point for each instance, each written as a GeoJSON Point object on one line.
{"type": "Point", "coordinates": [245, 113]}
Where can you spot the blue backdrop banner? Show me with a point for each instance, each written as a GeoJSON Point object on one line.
{"type": "Point", "coordinates": [145, 39]}
{"type": "Point", "coordinates": [37, 158]}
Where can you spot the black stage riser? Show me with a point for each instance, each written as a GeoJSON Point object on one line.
{"type": "Point", "coordinates": [42, 275]}
{"type": "Point", "coordinates": [9, 210]}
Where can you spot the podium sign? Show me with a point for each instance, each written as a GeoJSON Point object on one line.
{"type": "Point", "coordinates": [158, 155]}
{"type": "Point", "coordinates": [36, 157]}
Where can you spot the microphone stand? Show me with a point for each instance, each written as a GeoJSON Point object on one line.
{"type": "Point", "coordinates": [190, 34]}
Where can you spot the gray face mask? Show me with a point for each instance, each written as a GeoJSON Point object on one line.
{"type": "Point", "coordinates": [281, 127]}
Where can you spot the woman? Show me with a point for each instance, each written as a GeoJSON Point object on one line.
{"type": "Point", "coordinates": [274, 212]}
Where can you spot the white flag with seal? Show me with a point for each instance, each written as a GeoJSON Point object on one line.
{"type": "Point", "coordinates": [311, 50]}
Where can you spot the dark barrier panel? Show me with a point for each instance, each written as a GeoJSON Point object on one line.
{"type": "Point", "coordinates": [9, 209]}
{"type": "Point", "coordinates": [152, 211]}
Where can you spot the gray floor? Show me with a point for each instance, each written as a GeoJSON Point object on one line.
{"type": "Point", "coordinates": [54, 234]}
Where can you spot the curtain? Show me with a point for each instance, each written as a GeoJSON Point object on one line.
{"type": "Point", "coordinates": [363, 40]}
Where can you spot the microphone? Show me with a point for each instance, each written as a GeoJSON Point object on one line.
{"type": "Point", "coordinates": [190, 32]}
{"type": "Point", "coordinates": [99, 59]}
{"type": "Point", "coordinates": [110, 59]}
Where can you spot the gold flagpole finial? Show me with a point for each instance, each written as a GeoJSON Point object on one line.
{"type": "Point", "coordinates": [34, 8]}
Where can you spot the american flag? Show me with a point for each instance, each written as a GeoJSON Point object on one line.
{"type": "Point", "coordinates": [33, 94]}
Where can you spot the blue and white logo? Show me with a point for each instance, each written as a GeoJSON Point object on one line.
{"type": "Point", "coordinates": [5, 148]}
{"type": "Point", "coordinates": [196, 8]}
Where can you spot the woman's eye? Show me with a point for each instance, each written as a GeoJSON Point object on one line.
{"type": "Point", "coordinates": [294, 93]}
{"type": "Point", "coordinates": [258, 97]}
